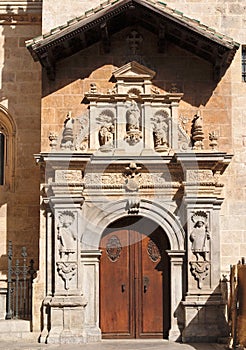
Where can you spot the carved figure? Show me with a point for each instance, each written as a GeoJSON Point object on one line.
{"type": "Point", "coordinates": [106, 135]}
{"type": "Point", "coordinates": [107, 130]}
{"type": "Point", "coordinates": [160, 132]}
{"type": "Point", "coordinates": [132, 117]}
{"type": "Point", "coordinates": [200, 235]}
{"type": "Point", "coordinates": [133, 132]}
{"type": "Point", "coordinates": [66, 234]}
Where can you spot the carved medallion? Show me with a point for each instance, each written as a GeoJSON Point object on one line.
{"type": "Point", "coordinates": [113, 248]}
{"type": "Point", "coordinates": [153, 251]}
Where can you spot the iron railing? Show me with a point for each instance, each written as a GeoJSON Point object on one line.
{"type": "Point", "coordinates": [19, 290]}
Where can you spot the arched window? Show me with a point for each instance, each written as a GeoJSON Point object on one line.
{"type": "Point", "coordinates": [7, 149]}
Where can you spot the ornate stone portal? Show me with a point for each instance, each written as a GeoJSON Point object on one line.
{"type": "Point", "coordinates": [130, 156]}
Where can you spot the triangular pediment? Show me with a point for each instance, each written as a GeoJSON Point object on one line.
{"type": "Point", "coordinates": [133, 71]}
{"type": "Point", "coordinates": [112, 16]}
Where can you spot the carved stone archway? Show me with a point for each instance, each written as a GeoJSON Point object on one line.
{"type": "Point", "coordinates": [97, 222]}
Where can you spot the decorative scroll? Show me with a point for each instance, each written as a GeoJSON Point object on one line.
{"type": "Point", "coordinates": [200, 270]}
{"type": "Point", "coordinates": [153, 251]}
{"type": "Point", "coordinates": [66, 271]}
{"type": "Point", "coordinates": [113, 248]}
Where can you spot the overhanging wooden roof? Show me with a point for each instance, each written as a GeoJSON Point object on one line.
{"type": "Point", "coordinates": [111, 16]}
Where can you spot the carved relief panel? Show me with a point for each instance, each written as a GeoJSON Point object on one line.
{"type": "Point", "coordinates": [66, 247]}
{"type": "Point", "coordinates": [200, 258]}
{"type": "Point", "coordinates": [132, 116]}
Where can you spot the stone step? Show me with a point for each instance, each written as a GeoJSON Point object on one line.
{"type": "Point", "coordinates": [16, 329]}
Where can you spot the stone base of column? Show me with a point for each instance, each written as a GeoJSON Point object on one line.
{"type": "Point", "coordinates": [66, 320]}
{"type": "Point", "coordinates": [205, 319]}
{"type": "Point", "coordinates": [93, 334]}
{"type": "Point", "coordinates": [174, 334]}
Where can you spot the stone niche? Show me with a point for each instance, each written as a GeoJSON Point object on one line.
{"type": "Point", "coordinates": [133, 116]}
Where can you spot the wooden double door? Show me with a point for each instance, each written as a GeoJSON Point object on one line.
{"type": "Point", "coordinates": [134, 282]}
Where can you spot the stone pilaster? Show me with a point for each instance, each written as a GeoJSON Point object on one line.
{"type": "Point", "coordinates": [90, 279]}
{"type": "Point", "coordinates": [204, 318]}
{"type": "Point", "coordinates": [64, 303]}
{"type": "Point", "coordinates": [177, 283]}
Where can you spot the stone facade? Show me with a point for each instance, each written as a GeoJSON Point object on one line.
{"type": "Point", "coordinates": [124, 129]}
{"type": "Point", "coordinates": [20, 122]}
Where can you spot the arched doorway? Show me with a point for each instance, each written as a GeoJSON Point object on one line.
{"type": "Point", "coordinates": [134, 280]}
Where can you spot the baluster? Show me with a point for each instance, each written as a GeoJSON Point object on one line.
{"type": "Point", "coordinates": [32, 272]}
{"type": "Point", "coordinates": [17, 273]}
{"type": "Point", "coordinates": [9, 291]}
{"type": "Point", "coordinates": [24, 254]}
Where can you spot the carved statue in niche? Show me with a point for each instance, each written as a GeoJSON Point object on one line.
{"type": "Point", "coordinates": [67, 234]}
{"type": "Point", "coordinates": [107, 130]}
{"type": "Point", "coordinates": [200, 235]}
{"type": "Point", "coordinates": [160, 131]}
{"type": "Point", "coordinates": [67, 135]}
{"type": "Point", "coordinates": [133, 131]}
{"type": "Point", "coordinates": [132, 117]}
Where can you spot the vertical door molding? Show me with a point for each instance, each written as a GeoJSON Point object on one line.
{"type": "Point", "coordinates": [177, 282]}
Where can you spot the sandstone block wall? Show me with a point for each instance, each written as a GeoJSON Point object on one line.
{"type": "Point", "coordinates": [20, 94]}
{"type": "Point", "coordinates": [222, 105]}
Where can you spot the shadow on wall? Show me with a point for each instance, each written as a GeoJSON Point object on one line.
{"type": "Point", "coordinates": [176, 67]}
{"type": "Point", "coordinates": [203, 318]}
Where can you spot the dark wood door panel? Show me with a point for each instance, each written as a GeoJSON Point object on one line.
{"type": "Point", "coordinates": [134, 284]}
{"type": "Point", "coordinates": [151, 288]}
{"type": "Point", "coordinates": [116, 285]}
